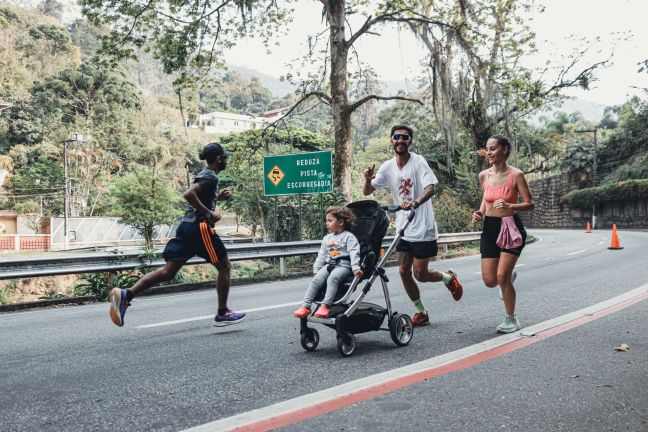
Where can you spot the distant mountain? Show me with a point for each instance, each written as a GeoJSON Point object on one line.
{"type": "Point", "coordinates": [282, 88]}
{"type": "Point", "coordinates": [391, 88]}
{"type": "Point", "coordinates": [592, 111]}
{"type": "Point", "coordinates": [68, 13]}
{"type": "Point", "coordinates": [276, 86]}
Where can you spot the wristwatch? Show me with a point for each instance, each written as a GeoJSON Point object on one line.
{"type": "Point", "coordinates": [414, 204]}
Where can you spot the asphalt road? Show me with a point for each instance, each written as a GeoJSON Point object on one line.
{"type": "Point", "coordinates": [168, 369]}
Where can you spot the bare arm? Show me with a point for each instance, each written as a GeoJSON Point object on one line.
{"type": "Point", "coordinates": [427, 193]}
{"type": "Point", "coordinates": [527, 199]}
{"type": "Point", "coordinates": [191, 196]}
{"type": "Point", "coordinates": [368, 174]}
{"type": "Point", "coordinates": [479, 214]}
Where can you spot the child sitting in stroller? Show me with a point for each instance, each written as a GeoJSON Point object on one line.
{"type": "Point", "coordinates": [338, 258]}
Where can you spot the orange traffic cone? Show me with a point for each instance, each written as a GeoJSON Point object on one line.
{"type": "Point", "coordinates": [615, 239]}
{"type": "Point", "coordinates": [589, 229]}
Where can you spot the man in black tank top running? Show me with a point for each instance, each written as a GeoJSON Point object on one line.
{"type": "Point", "coordinates": [195, 236]}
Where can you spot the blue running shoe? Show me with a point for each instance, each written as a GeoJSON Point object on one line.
{"type": "Point", "coordinates": [228, 318]}
{"type": "Point", "coordinates": [118, 305]}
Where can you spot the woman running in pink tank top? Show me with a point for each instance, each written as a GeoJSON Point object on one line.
{"type": "Point", "coordinates": [502, 185]}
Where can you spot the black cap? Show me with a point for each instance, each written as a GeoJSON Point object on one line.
{"type": "Point", "coordinates": [213, 150]}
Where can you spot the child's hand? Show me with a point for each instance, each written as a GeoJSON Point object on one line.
{"type": "Point", "coordinates": [224, 194]}
{"type": "Point", "coordinates": [357, 273]}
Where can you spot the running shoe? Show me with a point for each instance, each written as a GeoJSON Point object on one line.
{"type": "Point", "coordinates": [302, 312]}
{"type": "Point", "coordinates": [118, 305]}
{"type": "Point", "coordinates": [322, 312]}
{"type": "Point", "coordinates": [420, 319]}
{"type": "Point", "coordinates": [510, 324]}
{"type": "Point", "coordinates": [454, 286]}
{"type": "Point", "coordinates": [228, 318]}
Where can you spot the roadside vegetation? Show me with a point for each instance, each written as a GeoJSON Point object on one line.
{"type": "Point", "coordinates": [139, 153]}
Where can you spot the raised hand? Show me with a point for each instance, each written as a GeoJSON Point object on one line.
{"type": "Point", "coordinates": [369, 172]}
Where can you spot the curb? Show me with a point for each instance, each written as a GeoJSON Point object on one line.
{"type": "Point", "coordinates": [67, 301]}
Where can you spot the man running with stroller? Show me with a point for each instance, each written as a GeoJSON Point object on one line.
{"type": "Point", "coordinates": [412, 183]}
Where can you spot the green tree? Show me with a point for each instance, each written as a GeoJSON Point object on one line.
{"type": "Point", "coordinates": [144, 200]}
{"type": "Point", "coordinates": [478, 82]}
{"type": "Point", "coordinates": [278, 218]}
{"type": "Point", "coordinates": [56, 39]}
{"type": "Point", "coordinates": [41, 179]}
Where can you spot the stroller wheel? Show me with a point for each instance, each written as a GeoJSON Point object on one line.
{"type": "Point", "coordinates": [401, 329]}
{"type": "Point", "coordinates": [310, 339]}
{"type": "Point", "coordinates": [346, 343]}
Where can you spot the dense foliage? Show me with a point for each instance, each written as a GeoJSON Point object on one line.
{"type": "Point", "coordinates": [139, 156]}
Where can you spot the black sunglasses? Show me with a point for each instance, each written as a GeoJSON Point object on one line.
{"type": "Point", "coordinates": [401, 137]}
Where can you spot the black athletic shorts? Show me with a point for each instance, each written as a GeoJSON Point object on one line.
{"type": "Point", "coordinates": [420, 250]}
{"type": "Point", "coordinates": [488, 243]}
{"type": "Point", "coordinates": [197, 238]}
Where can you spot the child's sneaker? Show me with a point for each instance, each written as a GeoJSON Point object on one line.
{"type": "Point", "coordinates": [228, 318]}
{"type": "Point", "coordinates": [302, 312]}
{"type": "Point", "coordinates": [322, 312]}
{"type": "Point", "coordinates": [118, 305]}
{"type": "Point", "coordinates": [454, 286]}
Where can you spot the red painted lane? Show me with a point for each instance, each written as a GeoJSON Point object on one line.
{"type": "Point", "coordinates": [398, 383]}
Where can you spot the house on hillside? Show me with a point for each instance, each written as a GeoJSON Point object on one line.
{"type": "Point", "coordinates": [223, 122]}
{"type": "Point", "coordinates": [4, 105]}
{"type": "Point", "coordinates": [276, 114]}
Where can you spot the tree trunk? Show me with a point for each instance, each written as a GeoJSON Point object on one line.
{"type": "Point", "coordinates": [182, 114]}
{"type": "Point", "coordinates": [336, 15]}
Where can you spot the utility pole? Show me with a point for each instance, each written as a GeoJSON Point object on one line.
{"type": "Point", "coordinates": [66, 197]}
{"type": "Point", "coordinates": [594, 169]}
{"type": "Point", "coordinates": [73, 137]}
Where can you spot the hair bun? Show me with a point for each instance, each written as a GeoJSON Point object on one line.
{"type": "Point", "coordinates": [202, 156]}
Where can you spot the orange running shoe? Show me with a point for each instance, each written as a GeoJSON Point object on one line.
{"type": "Point", "coordinates": [322, 312]}
{"type": "Point", "coordinates": [454, 286]}
{"type": "Point", "coordinates": [302, 312]}
{"type": "Point", "coordinates": [420, 319]}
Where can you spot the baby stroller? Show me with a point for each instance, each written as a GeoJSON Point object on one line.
{"type": "Point", "coordinates": [350, 315]}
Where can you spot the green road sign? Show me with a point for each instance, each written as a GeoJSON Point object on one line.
{"type": "Point", "coordinates": [303, 173]}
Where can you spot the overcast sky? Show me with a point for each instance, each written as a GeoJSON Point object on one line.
{"type": "Point", "coordinates": [396, 55]}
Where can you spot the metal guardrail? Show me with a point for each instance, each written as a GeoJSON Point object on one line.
{"type": "Point", "coordinates": [112, 262]}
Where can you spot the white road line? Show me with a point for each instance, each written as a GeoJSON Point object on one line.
{"type": "Point", "coordinates": [577, 252]}
{"type": "Point", "coordinates": [520, 265]}
{"type": "Point", "coordinates": [350, 387]}
{"type": "Point", "coordinates": [204, 317]}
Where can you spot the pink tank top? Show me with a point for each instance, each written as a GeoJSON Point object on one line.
{"type": "Point", "coordinates": [507, 191]}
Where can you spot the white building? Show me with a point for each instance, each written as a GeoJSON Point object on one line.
{"type": "Point", "coordinates": [223, 122]}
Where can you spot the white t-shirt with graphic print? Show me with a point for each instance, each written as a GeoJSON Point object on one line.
{"type": "Point", "coordinates": [407, 184]}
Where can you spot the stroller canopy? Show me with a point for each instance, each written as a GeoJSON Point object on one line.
{"type": "Point", "coordinates": [371, 226]}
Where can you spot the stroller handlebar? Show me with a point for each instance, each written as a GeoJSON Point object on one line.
{"type": "Point", "coordinates": [392, 208]}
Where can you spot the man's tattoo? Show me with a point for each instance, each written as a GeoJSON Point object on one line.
{"type": "Point", "coordinates": [402, 256]}
{"type": "Point", "coordinates": [426, 195]}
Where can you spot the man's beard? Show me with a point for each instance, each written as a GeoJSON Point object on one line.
{"type": "Point", "coordinates": [400, 152]}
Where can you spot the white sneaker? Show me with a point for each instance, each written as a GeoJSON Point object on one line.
{"type": "Point", "coordinates": [499, 289]}
{"type": "Point", "coordinates": [510, 324]}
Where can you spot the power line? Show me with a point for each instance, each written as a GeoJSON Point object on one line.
{"type": "Point", "coordinates": [49, 194]}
